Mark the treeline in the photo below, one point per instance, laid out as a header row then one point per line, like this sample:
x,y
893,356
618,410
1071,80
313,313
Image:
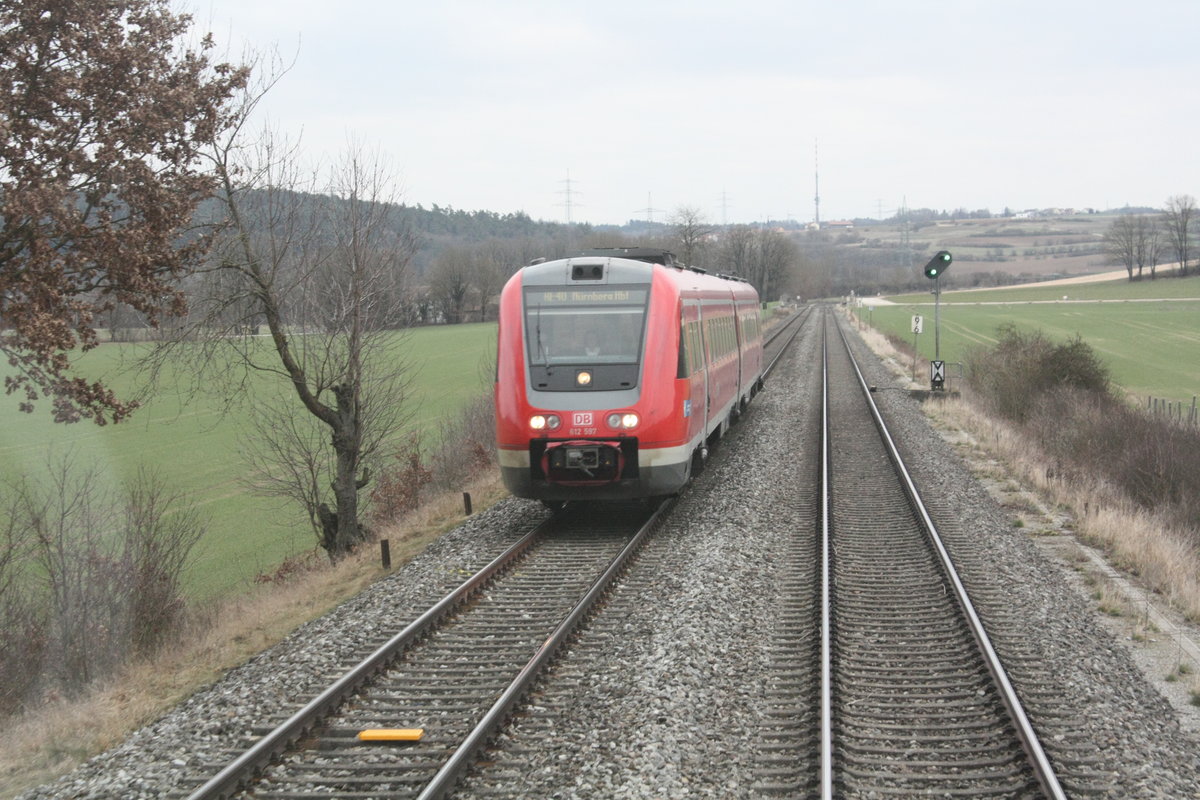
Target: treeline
x,y
457,261
1139,240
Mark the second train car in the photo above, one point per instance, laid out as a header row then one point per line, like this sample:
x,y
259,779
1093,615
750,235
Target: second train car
x,y
615,371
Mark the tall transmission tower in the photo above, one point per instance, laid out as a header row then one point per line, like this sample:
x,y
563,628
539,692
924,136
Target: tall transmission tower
x,y
649,209
569,193
724,209
816,185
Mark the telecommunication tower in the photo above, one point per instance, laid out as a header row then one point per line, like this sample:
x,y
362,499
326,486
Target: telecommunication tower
x,y
816,185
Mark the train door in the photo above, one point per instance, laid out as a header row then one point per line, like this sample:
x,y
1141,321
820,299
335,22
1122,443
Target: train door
x,y
739,339
694,328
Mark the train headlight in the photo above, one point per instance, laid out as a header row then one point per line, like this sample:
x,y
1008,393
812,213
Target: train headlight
x,y
544,422
626,421
583,378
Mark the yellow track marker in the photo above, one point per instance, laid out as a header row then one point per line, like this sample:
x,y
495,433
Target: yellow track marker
x,y
391,734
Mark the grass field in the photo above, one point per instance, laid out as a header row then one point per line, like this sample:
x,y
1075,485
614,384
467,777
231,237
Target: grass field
x,y
1147,332
193,443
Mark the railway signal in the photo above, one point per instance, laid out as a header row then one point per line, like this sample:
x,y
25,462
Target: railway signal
x,y
933,270
938,264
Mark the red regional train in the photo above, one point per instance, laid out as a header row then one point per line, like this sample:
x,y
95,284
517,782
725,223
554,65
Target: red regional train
x,y
615,370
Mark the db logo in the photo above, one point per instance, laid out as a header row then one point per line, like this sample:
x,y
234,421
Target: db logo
x,y
584,418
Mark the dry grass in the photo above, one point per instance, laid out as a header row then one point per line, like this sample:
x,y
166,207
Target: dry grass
x,y
1143,543
43,744
1140,542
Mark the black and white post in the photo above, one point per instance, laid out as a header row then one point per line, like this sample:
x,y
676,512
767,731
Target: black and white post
x,y
933,270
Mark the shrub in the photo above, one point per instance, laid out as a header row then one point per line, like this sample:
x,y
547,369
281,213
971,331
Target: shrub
x,y
468,446
1022,367
1060,394
87,581
398,491
23,622
158,534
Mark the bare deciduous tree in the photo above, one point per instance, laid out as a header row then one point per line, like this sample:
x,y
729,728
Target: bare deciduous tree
x,y
1120,242
495,263
450,281
691,231
775,256
736,252
1177,222
1147,243
762,256
320,265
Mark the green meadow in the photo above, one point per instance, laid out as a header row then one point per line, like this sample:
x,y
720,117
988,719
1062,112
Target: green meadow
x,y
194,442
1147,332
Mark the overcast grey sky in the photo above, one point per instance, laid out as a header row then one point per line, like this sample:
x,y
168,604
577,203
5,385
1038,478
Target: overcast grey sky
x,y
490,105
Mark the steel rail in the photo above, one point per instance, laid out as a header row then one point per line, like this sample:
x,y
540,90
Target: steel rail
x,y
261,753
826,733
446,777
1043,770
795,323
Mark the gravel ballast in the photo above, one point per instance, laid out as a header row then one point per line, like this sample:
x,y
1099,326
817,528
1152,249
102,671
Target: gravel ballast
x,y
661,695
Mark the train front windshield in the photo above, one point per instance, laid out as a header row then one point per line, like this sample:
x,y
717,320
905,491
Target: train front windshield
x,y
583,326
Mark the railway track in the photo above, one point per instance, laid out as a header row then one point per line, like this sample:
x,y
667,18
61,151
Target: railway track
x,y
454,675
883,639
875,684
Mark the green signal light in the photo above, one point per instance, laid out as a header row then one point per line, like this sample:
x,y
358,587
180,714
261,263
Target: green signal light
x,y
938,264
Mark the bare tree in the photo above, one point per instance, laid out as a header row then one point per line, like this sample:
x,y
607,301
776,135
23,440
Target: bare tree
x,y
1147,243
774,256
691,231
762,256
495,262
736,251
325,308
318,263
1177,223
450,281
1120,242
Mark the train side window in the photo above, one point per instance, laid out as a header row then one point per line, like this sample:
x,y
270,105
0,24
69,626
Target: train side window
x,y
691,352
687,349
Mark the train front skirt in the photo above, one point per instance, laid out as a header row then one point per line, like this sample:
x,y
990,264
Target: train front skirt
x,y
593,469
